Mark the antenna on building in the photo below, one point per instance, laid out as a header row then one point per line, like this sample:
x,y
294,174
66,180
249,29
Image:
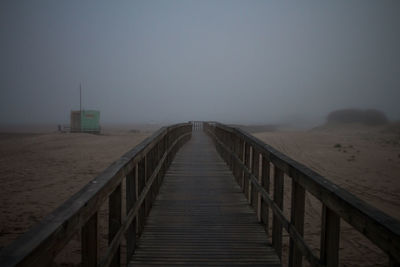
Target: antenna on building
x,y
80,97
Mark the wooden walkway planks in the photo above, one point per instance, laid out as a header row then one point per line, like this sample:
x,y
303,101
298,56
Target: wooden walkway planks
x,y
201,217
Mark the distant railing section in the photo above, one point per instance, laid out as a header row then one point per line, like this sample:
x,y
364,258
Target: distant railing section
x,y
142,168
250,160
197,125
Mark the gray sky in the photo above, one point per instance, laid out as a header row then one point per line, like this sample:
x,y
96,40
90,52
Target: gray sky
x,y
172,61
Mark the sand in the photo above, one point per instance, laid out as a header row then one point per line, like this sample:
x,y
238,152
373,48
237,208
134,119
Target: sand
x,y
362,160
39,171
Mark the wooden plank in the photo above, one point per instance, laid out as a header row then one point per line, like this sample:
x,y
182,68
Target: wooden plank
x,y
330,234
114,221
89,242
297,220
278,199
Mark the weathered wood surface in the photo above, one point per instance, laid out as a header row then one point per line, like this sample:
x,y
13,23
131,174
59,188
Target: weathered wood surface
x,y
380,228
201,216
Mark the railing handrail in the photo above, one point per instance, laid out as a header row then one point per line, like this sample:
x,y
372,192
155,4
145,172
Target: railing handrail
x,y
44,240
382,229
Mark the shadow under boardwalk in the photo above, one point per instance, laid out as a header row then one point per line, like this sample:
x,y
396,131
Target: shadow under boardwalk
x,y
201,217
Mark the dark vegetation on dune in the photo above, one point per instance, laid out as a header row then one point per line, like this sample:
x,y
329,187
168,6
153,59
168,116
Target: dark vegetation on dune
x,y
367,117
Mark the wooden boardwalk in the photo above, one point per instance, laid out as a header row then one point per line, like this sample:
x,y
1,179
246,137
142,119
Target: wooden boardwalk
x,y
201,217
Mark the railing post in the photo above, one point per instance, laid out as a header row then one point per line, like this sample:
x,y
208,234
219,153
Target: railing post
x,y
250,184
234,163
239,153
265,180
330,234
278,199
141,184
130,202
297,220
114,221
231,147
163,149
241,157
147,204
89,242
158,179
247,164
255,167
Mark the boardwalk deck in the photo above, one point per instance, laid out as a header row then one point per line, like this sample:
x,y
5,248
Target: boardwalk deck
x,y
201,217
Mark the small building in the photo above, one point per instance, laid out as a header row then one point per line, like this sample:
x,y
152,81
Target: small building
x,y
87,121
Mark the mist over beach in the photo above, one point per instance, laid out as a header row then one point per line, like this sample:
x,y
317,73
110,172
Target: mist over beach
x,y
228,61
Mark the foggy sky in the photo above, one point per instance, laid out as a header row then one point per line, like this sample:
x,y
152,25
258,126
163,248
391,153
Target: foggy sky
x,y
173,61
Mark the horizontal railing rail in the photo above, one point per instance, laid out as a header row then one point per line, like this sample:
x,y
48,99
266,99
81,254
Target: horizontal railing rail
x,y
142,169
250,159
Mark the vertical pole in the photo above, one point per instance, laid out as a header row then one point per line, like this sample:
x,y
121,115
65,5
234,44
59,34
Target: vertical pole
x,y
247,164
89,242
265,180
80,97
241,157
278,199
130,201
114,221
255,162
297,219
330,234
141,183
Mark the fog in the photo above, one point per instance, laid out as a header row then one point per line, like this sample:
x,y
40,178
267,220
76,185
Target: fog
x,y
172,61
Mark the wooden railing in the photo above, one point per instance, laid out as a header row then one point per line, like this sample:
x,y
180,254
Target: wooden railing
x,y
142,168
250,160
197,125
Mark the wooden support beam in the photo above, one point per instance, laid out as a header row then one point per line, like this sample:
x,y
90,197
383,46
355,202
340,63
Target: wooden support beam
x,y
114,221
241,158
246,176
297,220
130,202
89,242
330,234
265,181
255,169
141,185
278,199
